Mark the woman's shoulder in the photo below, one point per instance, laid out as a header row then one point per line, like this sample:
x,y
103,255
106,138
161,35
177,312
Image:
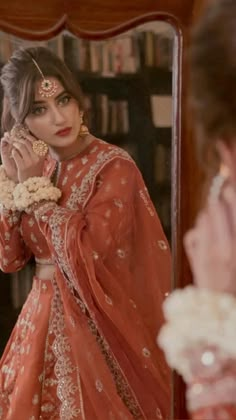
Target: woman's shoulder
x,y
108,151
113,160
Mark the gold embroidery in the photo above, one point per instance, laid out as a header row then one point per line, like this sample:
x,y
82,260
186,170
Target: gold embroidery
x,y
122,386
99,385
146,199
146,352
80,194
67,388
162,245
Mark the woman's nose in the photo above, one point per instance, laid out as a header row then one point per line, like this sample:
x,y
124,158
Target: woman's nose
x,y
58,116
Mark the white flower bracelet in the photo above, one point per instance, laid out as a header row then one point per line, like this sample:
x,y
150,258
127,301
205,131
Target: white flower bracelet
x,y
34,190
21,196
7,187
197,317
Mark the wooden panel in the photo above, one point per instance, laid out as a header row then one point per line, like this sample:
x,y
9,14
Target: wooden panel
x,y
96,19
45,18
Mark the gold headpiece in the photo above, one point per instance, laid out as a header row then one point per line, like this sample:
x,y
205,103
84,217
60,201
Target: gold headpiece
x,y
47,87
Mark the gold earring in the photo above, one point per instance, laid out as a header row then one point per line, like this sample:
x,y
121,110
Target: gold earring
x,y
19,131
40,148
83,128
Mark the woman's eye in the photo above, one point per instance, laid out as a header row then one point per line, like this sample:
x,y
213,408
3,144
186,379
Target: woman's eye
x,y
64,100
39,110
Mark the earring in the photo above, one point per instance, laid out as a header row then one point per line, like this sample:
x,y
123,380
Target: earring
x,y
40,148
19,131
218,182
83,128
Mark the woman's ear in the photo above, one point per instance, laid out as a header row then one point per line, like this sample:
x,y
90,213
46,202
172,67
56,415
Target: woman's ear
x,y
227,154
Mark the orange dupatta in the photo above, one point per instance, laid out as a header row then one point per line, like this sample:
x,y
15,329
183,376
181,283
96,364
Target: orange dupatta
x,y
114,271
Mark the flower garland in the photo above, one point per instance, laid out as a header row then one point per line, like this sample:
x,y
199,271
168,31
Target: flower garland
x,y
7,187
23,195
34,190
197,317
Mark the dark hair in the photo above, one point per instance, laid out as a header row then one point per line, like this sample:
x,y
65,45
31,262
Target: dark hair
x,y
213,76
18,78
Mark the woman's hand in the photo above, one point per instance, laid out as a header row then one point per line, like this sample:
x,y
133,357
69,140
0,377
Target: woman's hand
x,y
211,245
6,157
28,164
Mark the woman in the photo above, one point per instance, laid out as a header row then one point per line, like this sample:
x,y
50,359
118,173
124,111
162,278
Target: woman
x,y
84,343
203,318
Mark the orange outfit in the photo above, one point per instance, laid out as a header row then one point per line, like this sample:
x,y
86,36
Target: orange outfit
x,y
84,345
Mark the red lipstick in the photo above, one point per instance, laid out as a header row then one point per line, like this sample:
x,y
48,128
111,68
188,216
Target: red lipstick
x,y
64,132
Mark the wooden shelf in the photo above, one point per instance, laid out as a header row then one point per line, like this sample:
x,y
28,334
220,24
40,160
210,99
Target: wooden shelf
x,y
155,79
163,135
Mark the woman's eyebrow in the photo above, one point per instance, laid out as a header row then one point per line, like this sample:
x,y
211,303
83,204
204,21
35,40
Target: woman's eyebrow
x,y
43,102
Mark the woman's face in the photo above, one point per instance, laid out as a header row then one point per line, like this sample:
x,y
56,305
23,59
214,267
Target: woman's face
x,y
55,120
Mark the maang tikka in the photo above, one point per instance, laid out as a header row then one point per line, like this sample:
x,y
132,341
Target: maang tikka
x,y
47,87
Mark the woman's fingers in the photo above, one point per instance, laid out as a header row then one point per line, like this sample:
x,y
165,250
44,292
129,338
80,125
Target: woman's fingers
x,y
190,245
229,200
18,159
195,242
30,138
24,146
23,150
211,246
6,147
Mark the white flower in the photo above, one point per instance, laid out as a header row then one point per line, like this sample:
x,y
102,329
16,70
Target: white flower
x,y
197,317
34,190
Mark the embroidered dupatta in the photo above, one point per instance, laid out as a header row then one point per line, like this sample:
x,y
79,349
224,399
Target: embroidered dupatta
x,y
94,355
115,264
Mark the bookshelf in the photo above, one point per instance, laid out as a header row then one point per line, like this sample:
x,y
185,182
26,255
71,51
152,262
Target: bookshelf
x,y
150,146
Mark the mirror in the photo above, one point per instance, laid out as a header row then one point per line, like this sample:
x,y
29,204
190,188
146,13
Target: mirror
x,y
128,92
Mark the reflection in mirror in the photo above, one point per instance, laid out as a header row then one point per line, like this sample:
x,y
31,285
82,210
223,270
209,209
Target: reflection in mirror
x,y
127,88
127,85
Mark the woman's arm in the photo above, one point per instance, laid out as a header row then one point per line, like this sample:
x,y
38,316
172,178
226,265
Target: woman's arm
x,y
14,254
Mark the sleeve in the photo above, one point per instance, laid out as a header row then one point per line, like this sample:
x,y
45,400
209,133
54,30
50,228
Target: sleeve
x,y
13,252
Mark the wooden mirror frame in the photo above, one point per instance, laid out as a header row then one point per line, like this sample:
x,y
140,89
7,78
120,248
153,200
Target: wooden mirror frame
x,y
99,19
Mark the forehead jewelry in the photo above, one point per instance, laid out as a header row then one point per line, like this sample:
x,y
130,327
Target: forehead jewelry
x,y
47,87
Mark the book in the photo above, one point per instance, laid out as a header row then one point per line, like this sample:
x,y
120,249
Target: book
x,y
161,106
